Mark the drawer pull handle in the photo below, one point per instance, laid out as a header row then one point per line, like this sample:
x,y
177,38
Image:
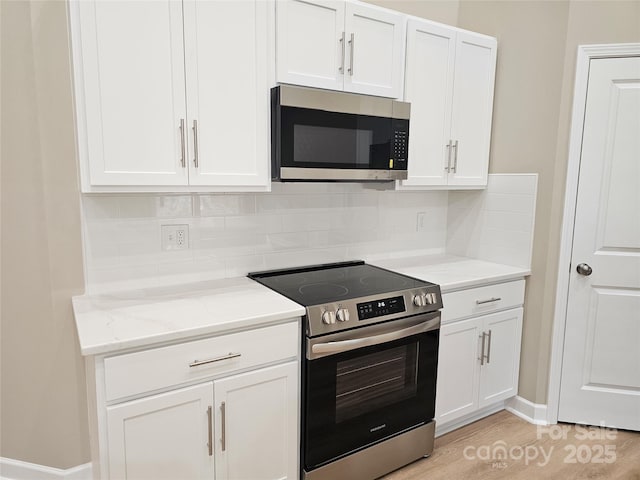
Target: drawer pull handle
x,y
197,363
490,300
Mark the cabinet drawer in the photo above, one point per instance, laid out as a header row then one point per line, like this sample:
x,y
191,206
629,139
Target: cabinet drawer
x,y
148,370
481,300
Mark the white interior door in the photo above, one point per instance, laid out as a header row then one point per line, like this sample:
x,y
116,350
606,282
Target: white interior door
x,y
601,362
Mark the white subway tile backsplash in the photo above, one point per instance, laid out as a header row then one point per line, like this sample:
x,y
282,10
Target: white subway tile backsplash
x,y
495,224
513,183
324,220
240,266
137,206
274,203
508,202
296,224
171,206
97,208
254,223
212,205
284,241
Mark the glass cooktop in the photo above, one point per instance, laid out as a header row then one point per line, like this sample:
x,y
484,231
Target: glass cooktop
x,y
334,282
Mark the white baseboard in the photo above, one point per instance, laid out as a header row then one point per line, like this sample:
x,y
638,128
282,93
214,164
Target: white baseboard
x,y
18,470
467,419
535,413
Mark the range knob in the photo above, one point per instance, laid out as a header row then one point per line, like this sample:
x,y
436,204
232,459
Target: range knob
x,y
419,301
328,317
431,298
342,315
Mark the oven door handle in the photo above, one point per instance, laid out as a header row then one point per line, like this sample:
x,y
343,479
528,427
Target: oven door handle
x,y
330,348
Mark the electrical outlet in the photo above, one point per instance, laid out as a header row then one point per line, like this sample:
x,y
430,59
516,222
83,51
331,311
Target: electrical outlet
x,y
421,222
175,237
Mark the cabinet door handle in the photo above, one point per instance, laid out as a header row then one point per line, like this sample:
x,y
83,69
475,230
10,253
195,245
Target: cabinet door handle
x,y
351,58
223,415
183,160
481,337
342,43
489,300
210,437
195,143
197,363
489,347
448,167
455,156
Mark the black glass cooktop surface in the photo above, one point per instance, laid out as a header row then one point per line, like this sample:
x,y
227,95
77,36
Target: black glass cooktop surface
x,y
333,282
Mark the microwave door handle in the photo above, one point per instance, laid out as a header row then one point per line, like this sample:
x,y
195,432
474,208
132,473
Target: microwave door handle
x,y
330,348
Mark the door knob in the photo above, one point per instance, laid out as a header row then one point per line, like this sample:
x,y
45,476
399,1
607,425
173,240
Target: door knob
x,y
584,269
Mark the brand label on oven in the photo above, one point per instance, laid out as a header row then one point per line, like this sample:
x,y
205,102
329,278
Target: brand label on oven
x,y
379,427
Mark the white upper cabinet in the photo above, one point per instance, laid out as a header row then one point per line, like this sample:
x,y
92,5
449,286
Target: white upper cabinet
x,y
449,82
172,93
472,109
339,45
309,43
227,92
130,63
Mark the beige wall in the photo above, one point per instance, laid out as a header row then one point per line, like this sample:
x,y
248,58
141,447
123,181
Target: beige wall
x,y
443,11
43,410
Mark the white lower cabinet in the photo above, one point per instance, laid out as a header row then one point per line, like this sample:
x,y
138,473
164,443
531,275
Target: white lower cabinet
x,y
256,424
479,357
224,408
250,419
162,436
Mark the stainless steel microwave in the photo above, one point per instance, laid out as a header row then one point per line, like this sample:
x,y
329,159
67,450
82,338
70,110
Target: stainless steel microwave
x,y
320,135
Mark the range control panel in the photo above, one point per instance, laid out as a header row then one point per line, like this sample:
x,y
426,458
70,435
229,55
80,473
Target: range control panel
x,y
378,308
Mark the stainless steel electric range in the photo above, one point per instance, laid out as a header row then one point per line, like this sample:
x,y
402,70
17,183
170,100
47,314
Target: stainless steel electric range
x,y
370,354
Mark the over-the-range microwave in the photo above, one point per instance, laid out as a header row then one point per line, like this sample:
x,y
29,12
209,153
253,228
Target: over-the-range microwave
x,y
320,135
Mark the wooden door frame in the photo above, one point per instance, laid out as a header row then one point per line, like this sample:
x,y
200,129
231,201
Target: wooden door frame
x,y
585,54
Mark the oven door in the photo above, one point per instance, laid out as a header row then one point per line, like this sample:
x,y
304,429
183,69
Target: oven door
x,y
368,384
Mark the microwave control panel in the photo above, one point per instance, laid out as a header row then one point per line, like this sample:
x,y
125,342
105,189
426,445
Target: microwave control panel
x,y
400,144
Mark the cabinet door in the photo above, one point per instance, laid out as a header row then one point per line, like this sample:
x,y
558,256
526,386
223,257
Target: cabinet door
x,y
309,43
227,92
472,108
457,388
429,89
374,56
257,424
499,374
130,92
161,437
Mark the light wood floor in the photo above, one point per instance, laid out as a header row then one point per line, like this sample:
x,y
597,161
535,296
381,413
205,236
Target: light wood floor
x,y
471,453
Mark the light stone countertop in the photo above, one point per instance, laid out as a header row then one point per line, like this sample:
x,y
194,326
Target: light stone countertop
x,y
108,323
112,322
453,273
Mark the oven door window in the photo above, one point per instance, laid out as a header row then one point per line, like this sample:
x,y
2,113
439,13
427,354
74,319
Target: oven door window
x,y
320,139
359,397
